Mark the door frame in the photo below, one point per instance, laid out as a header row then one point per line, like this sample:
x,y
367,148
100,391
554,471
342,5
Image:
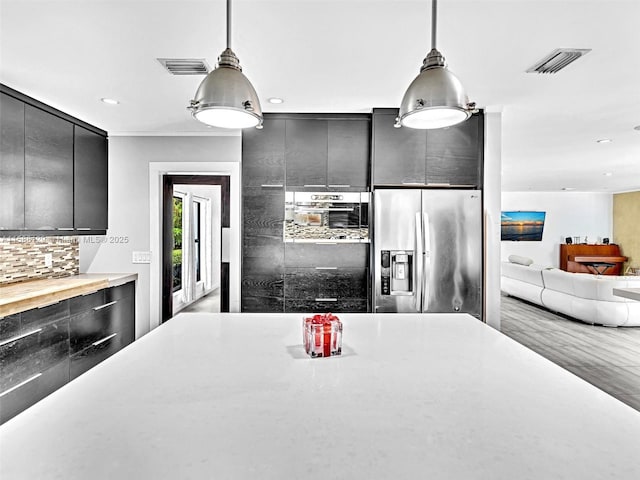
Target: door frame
x,y
230,236
168,181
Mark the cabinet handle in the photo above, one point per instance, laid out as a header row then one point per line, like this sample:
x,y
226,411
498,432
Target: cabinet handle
x,y
95,344
326,268
15,387
84,228
18,337
275,185
46,228
326,299
314,186
339,186
65,228
326,243
95,309
413,183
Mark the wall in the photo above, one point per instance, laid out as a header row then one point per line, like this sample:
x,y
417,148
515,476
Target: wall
x,y
569,214
130,215
23,258
626,226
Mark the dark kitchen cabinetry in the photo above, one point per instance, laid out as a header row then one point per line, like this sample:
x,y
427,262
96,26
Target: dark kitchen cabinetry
x,y
53,170
442,157
48,165
90,180
34,356
101,324
11,163
263,175
44,348
326,277
327,153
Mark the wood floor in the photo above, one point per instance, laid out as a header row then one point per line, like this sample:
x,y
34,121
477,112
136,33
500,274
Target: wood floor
x,y
606,357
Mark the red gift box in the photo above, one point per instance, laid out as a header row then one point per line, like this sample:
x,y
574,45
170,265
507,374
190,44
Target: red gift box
x,y
322,335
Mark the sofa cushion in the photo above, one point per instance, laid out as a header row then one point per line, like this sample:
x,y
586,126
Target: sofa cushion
x,y
531,274
520,260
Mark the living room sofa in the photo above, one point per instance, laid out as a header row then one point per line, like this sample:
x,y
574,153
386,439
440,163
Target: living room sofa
x,y
583,296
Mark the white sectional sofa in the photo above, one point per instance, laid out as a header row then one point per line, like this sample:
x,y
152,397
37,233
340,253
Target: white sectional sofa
x,y
583,296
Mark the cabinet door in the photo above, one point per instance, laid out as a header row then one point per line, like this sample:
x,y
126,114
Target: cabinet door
x,y
263,155
348,154
306,153
48,184
262,250
90,180
454,154
11,163
398,153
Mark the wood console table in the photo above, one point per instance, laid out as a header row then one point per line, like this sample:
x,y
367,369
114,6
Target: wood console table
x,y
598,259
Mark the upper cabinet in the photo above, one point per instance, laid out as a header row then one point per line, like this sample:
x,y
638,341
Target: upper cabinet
x,y
11,163
450,156
327,153
48,166
90,180
53,170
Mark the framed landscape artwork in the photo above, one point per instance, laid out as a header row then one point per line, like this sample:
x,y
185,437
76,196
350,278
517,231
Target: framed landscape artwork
x,y
522,226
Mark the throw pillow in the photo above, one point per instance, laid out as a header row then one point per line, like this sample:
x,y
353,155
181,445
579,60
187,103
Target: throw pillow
x,y
520,260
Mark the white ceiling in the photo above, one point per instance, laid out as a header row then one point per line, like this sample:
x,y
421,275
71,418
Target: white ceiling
x,y
351,56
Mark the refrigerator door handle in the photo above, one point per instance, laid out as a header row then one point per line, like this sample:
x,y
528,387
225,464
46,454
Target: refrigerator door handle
x,y
417,261
426,262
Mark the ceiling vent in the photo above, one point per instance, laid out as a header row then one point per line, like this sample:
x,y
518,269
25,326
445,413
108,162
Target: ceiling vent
x,y
185,66
557,60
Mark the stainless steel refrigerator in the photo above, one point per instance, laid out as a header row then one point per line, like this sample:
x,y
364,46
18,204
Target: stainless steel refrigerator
x,y
428,251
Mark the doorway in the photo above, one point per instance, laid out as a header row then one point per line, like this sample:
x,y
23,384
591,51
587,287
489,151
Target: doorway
x,y
180,196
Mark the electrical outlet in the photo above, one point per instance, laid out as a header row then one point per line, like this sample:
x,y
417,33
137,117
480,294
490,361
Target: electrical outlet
x,y
48,260
141,257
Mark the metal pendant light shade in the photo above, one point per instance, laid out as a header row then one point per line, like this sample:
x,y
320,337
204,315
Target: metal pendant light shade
x,y
435,98
226,98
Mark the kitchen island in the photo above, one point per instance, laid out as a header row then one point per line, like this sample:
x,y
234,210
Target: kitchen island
x,y
234,396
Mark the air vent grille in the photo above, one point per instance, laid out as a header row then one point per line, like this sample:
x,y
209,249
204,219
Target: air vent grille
x,y
185,66
557,60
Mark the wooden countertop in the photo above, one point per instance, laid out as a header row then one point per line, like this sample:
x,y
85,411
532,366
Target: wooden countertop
x,y
19,297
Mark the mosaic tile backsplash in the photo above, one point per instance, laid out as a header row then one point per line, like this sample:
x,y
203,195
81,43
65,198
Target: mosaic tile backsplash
x,y
23,258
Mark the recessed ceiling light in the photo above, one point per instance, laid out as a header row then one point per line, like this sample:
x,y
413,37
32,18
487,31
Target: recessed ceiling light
x,y
275,100
607,174
604,140
637,127
110,101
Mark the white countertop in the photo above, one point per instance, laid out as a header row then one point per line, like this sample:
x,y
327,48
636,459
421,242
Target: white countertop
x,y
631,293
234,396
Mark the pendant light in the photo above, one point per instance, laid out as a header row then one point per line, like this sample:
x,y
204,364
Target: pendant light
x,y
435,98
226,98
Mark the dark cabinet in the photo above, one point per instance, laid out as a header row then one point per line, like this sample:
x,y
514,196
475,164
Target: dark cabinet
x,y
34,357
11,163
398,153
48,185
263,177
348,154
306,143
263,155
326,277
327,154
101,324
53,170
44,348
451,156
90,180
262,287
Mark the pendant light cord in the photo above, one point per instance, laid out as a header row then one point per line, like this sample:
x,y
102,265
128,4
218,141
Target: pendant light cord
x,y
229,24
434,14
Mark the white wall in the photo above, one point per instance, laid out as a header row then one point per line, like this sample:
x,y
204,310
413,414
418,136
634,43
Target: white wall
x,y
569,214
130,214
